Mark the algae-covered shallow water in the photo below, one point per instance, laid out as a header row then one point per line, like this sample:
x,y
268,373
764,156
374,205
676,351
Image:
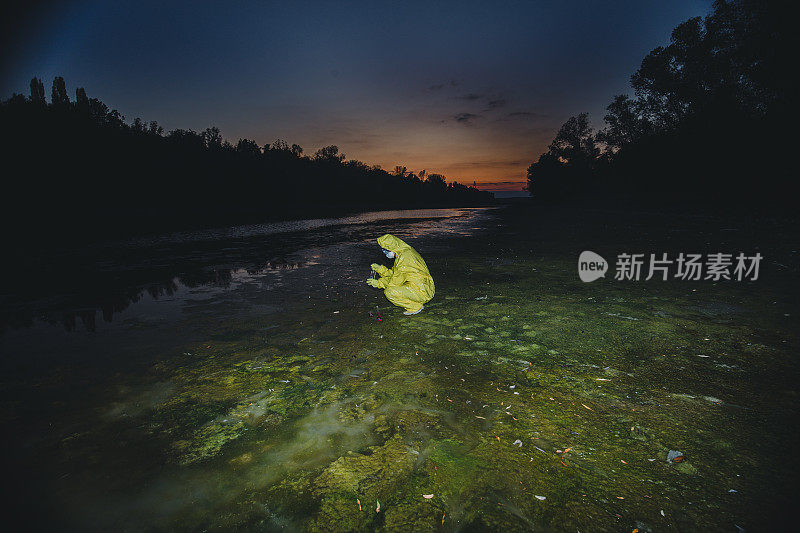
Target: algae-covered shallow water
x,y
242,381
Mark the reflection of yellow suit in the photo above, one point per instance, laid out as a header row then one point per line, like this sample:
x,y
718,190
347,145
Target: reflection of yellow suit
x,y
408,283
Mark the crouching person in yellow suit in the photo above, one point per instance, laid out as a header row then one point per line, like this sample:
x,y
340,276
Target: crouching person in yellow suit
x,y
408,283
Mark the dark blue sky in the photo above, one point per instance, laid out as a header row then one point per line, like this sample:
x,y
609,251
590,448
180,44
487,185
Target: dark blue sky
x,y
475,90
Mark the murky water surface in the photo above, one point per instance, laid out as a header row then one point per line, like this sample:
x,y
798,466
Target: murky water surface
x,y
240,379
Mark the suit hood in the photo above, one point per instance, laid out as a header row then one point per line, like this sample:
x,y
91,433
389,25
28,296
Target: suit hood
x,y
392,243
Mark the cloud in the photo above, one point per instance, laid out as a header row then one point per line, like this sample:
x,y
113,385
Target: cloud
x,y
506,185
488,101
439,86
467,119
467,165
469,96
525,115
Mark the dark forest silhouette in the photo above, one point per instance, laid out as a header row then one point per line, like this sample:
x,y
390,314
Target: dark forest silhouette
x,y
706,125
78,170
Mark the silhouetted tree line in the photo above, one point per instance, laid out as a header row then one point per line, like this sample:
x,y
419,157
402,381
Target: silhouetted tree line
x,y
707,123
77,168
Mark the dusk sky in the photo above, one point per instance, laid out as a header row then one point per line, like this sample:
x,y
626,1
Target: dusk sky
x,y
475,91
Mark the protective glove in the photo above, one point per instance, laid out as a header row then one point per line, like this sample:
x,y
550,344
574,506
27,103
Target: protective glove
x,y
380,269
372,282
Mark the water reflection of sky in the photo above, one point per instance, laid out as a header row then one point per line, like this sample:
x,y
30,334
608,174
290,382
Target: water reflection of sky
x,y
258,268
272,228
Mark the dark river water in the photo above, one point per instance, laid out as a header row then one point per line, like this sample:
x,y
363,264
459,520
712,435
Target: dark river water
x,y
248,379
261,269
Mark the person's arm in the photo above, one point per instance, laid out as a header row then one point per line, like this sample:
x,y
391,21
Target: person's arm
x,y
391,279
394,280
381,270
385,274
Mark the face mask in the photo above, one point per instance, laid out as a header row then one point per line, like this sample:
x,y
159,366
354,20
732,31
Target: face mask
x,y
389,254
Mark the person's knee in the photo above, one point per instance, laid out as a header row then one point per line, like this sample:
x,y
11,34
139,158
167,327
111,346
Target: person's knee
x,y
391,291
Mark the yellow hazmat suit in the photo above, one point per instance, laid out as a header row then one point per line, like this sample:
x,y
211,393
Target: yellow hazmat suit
x,y
408,283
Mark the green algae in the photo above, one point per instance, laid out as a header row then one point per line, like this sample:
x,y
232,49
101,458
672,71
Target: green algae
x,y
533,402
